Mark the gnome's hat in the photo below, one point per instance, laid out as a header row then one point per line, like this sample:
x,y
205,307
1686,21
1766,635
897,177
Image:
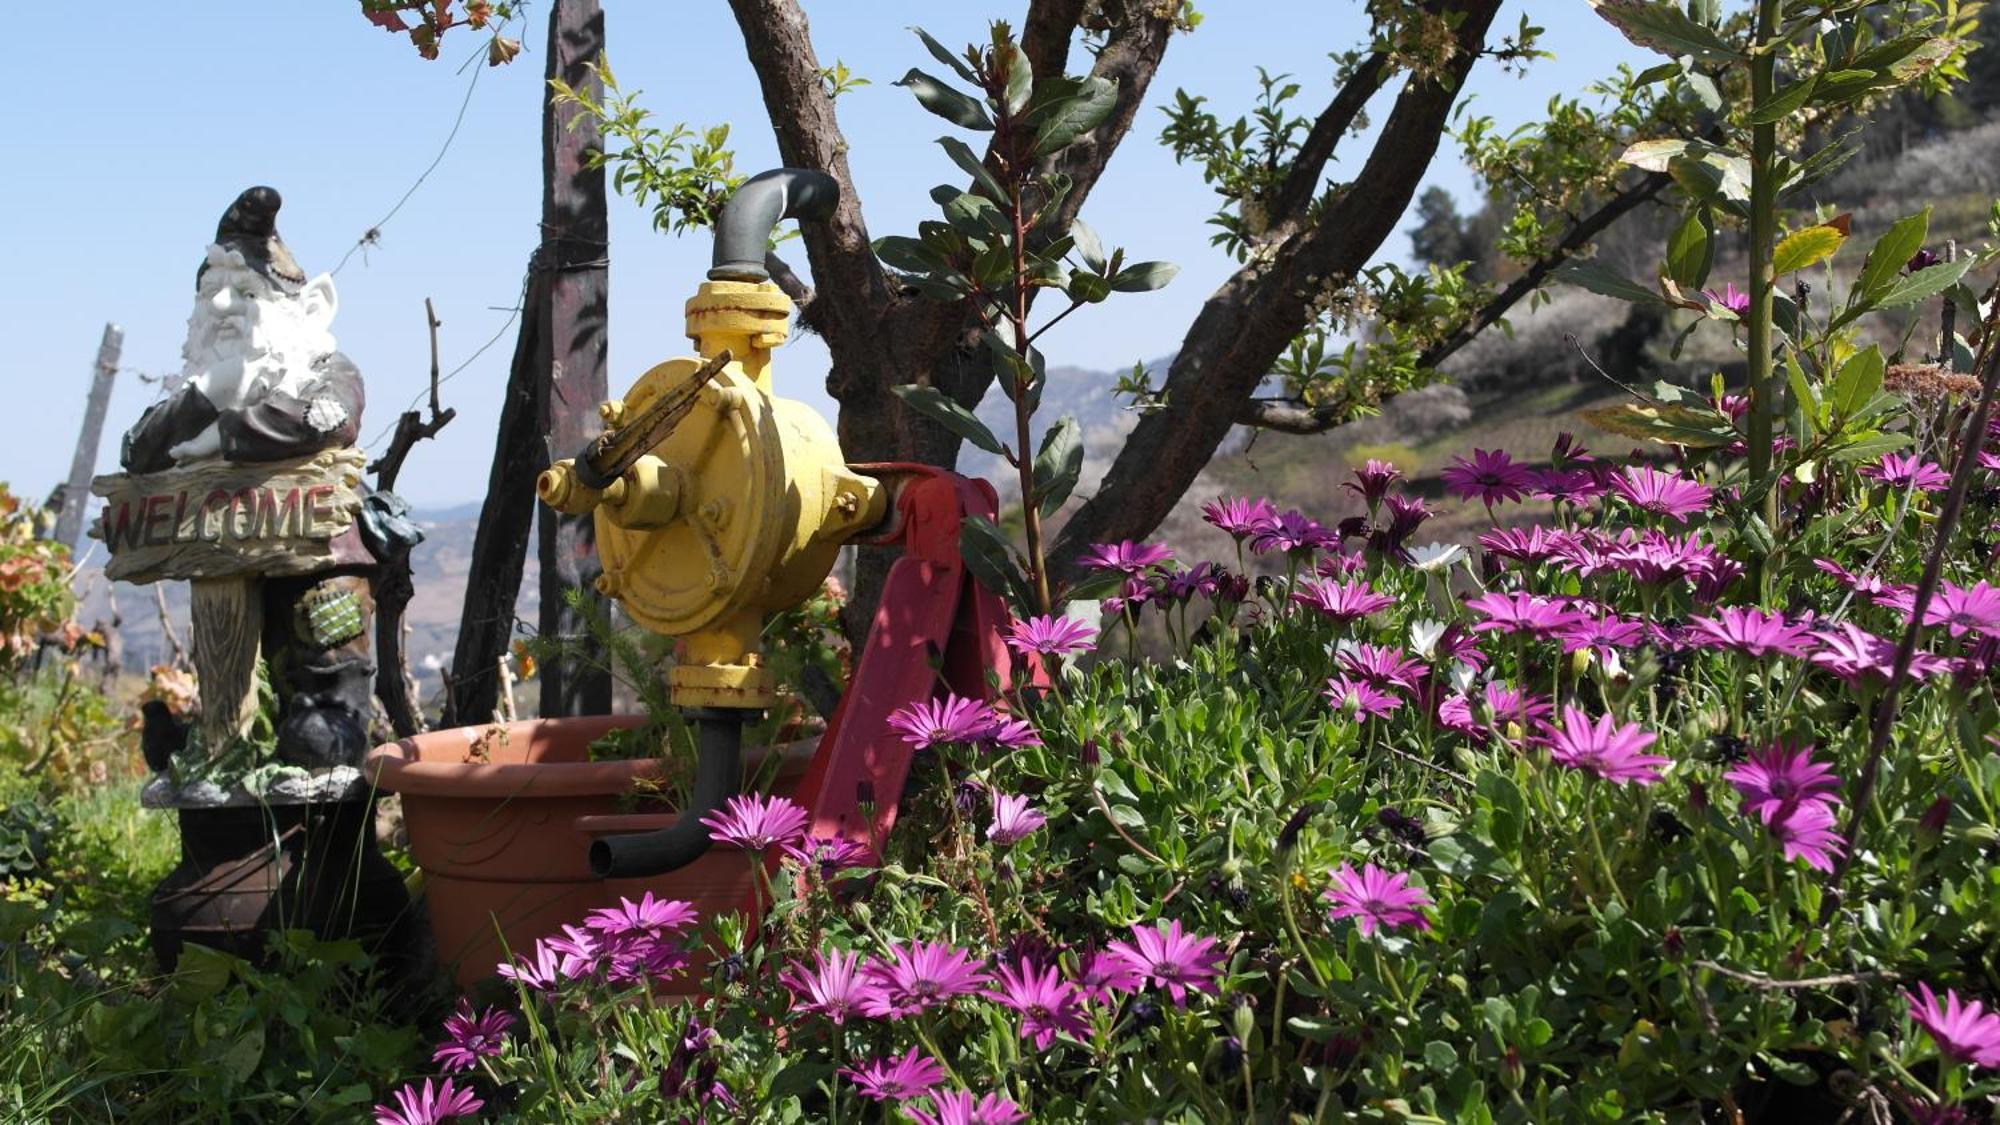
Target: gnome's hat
x,y
250,227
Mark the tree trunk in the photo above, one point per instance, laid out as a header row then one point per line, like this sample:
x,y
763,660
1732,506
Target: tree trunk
x,y
76,492
571,348
500,545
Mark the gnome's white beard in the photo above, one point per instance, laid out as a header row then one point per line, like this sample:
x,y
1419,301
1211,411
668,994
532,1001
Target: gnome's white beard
x,y
265,342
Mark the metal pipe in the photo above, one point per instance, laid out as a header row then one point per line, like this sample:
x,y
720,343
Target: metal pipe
x,y
717,777
743,231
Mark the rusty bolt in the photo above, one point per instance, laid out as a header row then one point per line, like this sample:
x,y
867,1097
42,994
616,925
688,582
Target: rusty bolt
x,y
716,512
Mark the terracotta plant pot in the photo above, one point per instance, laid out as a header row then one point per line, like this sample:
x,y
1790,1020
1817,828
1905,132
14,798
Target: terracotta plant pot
x,y
501,825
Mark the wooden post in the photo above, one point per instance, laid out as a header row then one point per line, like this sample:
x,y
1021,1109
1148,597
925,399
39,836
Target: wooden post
x,y
76,493
576,233
228,620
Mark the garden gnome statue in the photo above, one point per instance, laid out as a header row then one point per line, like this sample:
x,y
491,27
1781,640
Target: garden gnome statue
x,y
245,481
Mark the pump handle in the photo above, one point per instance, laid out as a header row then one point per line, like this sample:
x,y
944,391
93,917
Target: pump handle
x,y
743,232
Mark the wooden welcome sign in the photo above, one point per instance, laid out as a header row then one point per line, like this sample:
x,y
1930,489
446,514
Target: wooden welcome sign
x,y
223,525
222,518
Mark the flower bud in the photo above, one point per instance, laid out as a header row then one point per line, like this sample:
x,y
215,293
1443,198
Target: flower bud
x,y
502,50
1931,825
1512,1073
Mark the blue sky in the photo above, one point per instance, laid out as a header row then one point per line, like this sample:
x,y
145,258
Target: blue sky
x,y
131,138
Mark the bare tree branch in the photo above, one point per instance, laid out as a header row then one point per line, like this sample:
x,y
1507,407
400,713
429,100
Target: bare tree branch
x,y
1296,416
1288,207
1247,323
1578,236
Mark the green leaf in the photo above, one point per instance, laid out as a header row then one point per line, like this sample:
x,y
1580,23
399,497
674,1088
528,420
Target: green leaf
x,y
1087,287
1010,62
959,109
1087,245
907,254
1666,423
1785,102
1073,116
1890,254
1928,282
1803,248
1442,1057
990,558
944,56
1803,392
1661,25
1058,464
1144,276
241,1059
939,407
968,161
1855,386
1602,281
974,215
1705,91
1691,250
1867,445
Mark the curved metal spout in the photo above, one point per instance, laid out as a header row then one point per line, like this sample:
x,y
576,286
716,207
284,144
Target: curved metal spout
x,y
717,777
743,232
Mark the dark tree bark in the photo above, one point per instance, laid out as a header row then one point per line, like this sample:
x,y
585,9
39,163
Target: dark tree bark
x,y
500,545
571,348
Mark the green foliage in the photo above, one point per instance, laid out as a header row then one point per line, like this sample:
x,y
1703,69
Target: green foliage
x,y
1000,245
308,1039
684,174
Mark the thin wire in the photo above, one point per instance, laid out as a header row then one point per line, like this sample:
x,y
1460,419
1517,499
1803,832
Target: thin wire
x,y
513,315
374,233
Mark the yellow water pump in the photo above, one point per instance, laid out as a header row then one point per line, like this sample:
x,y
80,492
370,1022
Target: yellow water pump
x,y
716,502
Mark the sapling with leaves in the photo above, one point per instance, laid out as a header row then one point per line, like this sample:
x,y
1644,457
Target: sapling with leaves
x,y
999,243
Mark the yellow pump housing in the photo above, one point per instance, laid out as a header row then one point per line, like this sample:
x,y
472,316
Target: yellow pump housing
x,y
736,513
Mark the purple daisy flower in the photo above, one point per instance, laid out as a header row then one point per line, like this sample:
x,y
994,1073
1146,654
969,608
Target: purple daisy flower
x,y
758,823
959,1107
1520,613
1509,704
1241,517
1529,546
1104,974
829,854
1750,631
918,975
1605,748
1862,659
1963,1030
1359,699
1376,899
1974,608
1491,477
1602,633
1292,531
1048,1004
579,951
1371,481
1166,957
469,1038
1013,819
1051,635
1731,298
1008,733
897,1079
1907,470
1782,775
1344,602
541,970
1130,597
1806,831
429,1105
1125,556
1382,666
649,917
1661,493
953,718
1575,486
1406,515
836,986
